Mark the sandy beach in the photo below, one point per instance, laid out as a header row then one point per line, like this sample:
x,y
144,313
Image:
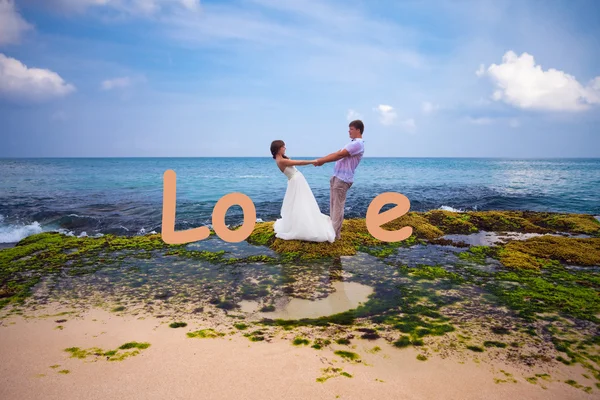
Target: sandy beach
x,y
232,367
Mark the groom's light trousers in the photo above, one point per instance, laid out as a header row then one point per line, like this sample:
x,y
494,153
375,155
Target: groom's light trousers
x,y
337,203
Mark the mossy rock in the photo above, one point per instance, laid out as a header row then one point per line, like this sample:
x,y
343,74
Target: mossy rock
x,y
519,260
422,227
478,254
263,234
45,237
355,230
354,236
22,266
451,222
205,334
534,293
574,251
573,223
314,250
505,221
353,233
431,226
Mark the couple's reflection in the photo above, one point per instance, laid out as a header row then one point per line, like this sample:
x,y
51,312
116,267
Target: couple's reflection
x,y
315,290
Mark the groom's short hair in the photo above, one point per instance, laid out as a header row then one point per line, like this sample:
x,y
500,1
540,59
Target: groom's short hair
x,y
358,124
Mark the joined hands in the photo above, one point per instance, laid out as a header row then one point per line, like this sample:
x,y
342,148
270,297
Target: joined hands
x,y
317,163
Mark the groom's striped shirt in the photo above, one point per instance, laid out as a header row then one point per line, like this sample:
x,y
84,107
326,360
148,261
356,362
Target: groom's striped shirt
x,y
344,168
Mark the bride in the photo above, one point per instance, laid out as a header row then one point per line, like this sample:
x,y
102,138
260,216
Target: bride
x,y
301,218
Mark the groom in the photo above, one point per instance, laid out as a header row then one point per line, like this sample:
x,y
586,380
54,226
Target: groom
x,y
347,159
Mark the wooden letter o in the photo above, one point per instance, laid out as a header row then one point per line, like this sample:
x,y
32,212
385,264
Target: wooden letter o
x,y
218,217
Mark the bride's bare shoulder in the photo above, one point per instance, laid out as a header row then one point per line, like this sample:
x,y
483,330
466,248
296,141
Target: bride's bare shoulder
x,y
280,164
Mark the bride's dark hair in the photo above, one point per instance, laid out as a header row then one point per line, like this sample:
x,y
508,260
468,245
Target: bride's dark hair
x,y
275,146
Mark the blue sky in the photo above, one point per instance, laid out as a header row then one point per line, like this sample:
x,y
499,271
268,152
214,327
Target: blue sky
x,y
187,78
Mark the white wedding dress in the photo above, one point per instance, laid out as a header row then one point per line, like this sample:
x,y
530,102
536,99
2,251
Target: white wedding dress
x,y
301,217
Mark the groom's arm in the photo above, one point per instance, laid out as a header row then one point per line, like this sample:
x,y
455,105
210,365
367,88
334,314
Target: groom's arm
x,y
338,155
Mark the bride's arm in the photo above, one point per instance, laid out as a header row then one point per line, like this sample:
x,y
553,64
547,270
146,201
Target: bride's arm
x,y
289,163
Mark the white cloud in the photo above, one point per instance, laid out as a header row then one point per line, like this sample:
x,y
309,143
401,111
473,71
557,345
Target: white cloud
x,y
121,83
352,115
523,84
387,115
20,83
429,108
12,25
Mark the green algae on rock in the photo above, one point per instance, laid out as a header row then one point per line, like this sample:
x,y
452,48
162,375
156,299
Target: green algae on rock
x,y
429,226
477,349
343,341
509,377
134,345
241,326
574,251
451,222
256,336
320,343
575,223
505,221
492,343
536,293
205,333
110,355
22,266
434,272
347,355
332,372
477,254
298,341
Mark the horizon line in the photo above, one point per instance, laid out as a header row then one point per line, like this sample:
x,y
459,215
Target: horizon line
x,y
299,157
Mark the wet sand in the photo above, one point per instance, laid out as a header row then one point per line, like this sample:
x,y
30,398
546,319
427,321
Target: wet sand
x,y
346,296
232,367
